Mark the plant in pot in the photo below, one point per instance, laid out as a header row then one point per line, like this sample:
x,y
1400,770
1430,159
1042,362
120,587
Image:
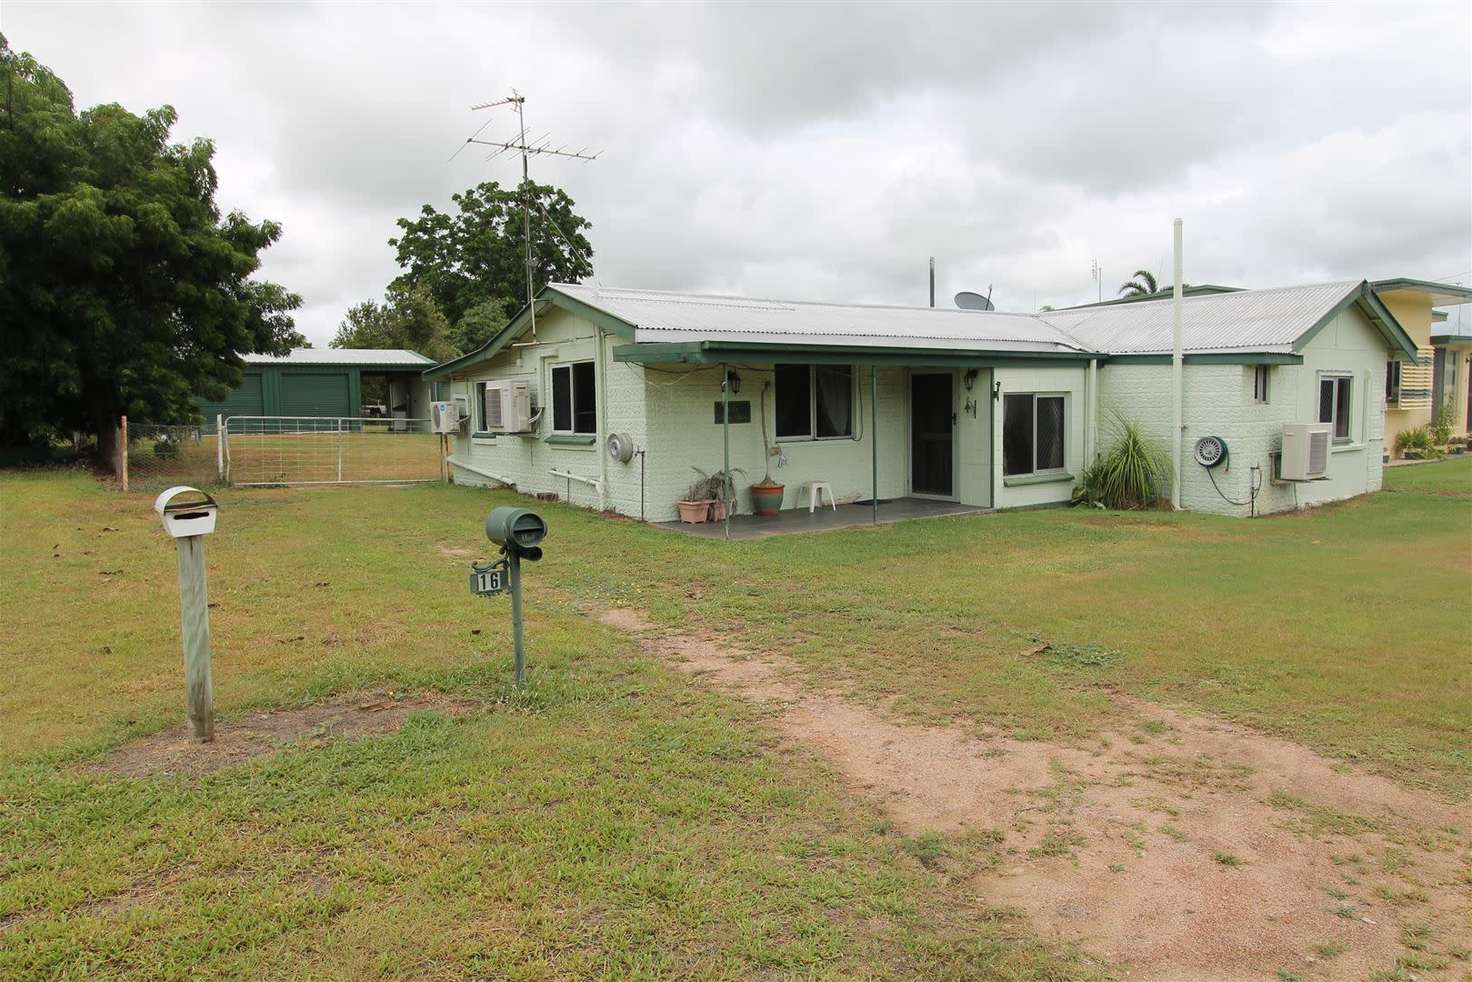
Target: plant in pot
x,y
710,497
766,494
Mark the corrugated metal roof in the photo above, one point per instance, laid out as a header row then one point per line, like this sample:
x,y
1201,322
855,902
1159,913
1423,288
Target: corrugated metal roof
x,y
660,316
1247,320
360,357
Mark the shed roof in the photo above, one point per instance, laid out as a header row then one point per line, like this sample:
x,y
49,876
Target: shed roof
x,y
355,357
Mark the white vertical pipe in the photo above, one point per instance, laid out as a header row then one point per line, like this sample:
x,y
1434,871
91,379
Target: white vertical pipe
x,y
1091,435
1177,372
600,371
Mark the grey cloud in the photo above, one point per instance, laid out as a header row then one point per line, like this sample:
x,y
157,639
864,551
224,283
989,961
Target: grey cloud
x,y
826,151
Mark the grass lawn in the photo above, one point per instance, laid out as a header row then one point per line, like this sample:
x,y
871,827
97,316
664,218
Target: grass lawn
x,y
618,817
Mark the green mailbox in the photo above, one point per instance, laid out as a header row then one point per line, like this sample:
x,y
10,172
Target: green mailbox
x,y
516,529
519,533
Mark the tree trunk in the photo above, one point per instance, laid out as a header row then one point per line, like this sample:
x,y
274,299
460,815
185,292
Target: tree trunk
x,y
107,441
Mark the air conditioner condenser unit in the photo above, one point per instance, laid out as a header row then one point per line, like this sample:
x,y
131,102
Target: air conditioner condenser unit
x,y
1305,451
444,417
508,407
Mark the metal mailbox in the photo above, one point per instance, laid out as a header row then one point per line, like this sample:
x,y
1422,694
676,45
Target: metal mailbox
x,y
183,513
516,529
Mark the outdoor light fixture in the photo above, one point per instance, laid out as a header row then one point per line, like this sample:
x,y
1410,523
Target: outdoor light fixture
x,y
970,378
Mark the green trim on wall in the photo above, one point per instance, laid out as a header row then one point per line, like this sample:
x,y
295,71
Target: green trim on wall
x,y
571,440
605,320
718,352
1363,297
1212,358
1023,480
548,296
1449,290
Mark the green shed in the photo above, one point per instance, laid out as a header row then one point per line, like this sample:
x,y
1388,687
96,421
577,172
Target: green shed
x,y
330,383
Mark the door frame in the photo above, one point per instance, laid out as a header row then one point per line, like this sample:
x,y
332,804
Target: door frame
x,y
910,491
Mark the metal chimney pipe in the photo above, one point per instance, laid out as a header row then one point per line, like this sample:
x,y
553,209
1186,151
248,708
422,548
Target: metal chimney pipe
x,y
932,281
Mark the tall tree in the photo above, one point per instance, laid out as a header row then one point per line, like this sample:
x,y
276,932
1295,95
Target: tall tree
x,y
477,254
1142,284
480,323
407,318
123,289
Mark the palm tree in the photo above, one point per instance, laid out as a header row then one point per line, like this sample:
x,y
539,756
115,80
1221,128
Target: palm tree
x,y
1142,284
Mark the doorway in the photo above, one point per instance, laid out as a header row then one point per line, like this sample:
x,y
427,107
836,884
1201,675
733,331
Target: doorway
x,y
932,435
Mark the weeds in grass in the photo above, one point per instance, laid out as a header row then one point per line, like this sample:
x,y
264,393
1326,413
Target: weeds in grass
x,y
1401,898
1328,951
1415,935
1174,832
1226,858
1058,841
1345,911
1336,893
928,847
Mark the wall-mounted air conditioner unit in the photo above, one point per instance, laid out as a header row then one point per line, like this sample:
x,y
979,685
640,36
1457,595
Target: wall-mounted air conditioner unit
x,y
508,407
444,417
1305,451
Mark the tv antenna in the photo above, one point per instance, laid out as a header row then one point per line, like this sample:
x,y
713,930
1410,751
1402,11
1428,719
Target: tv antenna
x,y
541,146
1097,272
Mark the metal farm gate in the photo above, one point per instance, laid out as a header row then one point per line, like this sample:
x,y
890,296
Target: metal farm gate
x,y
275,450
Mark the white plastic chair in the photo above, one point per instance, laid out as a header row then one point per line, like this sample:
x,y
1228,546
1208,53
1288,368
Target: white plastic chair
x,y
815,490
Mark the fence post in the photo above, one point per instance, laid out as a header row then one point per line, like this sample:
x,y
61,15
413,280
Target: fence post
x,y
339,450
220,448
123,450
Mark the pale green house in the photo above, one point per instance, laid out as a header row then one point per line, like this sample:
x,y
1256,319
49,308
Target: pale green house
x,y
987,409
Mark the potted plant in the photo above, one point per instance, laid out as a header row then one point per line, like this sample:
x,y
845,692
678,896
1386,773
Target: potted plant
x,y
766,494
710,497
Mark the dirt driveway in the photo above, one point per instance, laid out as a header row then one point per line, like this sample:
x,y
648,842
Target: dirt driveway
x,y
1183,849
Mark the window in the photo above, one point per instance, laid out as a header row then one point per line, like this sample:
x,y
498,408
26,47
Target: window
x,y
1334,404
1032,434
1260,383
479,423
815,402
574,398
1392,382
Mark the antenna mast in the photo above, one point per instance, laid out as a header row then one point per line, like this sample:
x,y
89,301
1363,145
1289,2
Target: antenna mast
x,y
541,145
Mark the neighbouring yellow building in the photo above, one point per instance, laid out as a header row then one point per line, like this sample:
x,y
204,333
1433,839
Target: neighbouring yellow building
x,y
1440,374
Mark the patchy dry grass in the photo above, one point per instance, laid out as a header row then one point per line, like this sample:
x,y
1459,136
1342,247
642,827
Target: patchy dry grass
x,y
618,818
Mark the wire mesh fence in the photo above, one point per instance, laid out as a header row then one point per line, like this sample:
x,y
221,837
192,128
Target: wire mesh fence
x,y
160,455
272,450
257,451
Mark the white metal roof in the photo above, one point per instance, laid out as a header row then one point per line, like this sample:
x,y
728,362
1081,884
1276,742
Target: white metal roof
x,y
1248,320
362,357
660,316
1251,320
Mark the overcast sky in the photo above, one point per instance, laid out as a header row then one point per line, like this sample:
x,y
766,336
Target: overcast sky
x,y
824,152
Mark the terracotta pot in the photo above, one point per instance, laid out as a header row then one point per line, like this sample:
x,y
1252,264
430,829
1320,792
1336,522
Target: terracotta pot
x,y
766,498
694,512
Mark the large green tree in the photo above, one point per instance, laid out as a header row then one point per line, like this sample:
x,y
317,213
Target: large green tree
x,y
476,254
408,317
122,287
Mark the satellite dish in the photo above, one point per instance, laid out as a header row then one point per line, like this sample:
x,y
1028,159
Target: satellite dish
x,y
967,300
